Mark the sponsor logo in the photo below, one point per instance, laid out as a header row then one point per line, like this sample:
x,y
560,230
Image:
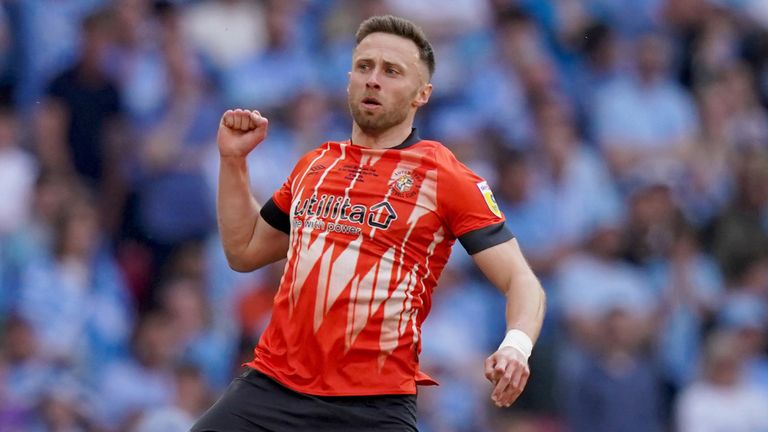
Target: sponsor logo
x,y
490,201
338,208
381,215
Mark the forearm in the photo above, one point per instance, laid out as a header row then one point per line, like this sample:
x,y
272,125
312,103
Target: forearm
x,y
526,303
507,368
237,209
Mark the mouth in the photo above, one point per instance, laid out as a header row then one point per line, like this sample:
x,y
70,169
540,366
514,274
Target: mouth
x,y
370,103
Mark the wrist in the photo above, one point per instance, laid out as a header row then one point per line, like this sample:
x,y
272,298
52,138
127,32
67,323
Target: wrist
x,y
233,160
518,340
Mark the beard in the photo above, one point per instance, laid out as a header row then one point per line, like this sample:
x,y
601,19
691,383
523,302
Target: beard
x,y
378,122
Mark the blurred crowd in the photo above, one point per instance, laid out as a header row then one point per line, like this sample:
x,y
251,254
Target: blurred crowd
x,y
626,140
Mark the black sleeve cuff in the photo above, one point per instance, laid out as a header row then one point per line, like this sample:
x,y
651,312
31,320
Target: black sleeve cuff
x,y
275,217
486,237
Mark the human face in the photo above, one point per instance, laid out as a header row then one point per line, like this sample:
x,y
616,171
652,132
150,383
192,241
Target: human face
x,y
388,82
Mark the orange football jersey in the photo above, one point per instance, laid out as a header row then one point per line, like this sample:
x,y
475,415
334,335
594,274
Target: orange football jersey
x,y
370,232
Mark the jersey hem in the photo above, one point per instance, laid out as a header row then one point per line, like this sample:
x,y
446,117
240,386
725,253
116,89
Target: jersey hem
x,y
271,375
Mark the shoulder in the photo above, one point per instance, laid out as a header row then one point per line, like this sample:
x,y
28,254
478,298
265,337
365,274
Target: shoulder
x,y
318,158
318,151
436,147
442,155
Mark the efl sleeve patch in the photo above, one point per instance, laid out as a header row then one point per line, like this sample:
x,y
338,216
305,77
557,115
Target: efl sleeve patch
x,y
489,199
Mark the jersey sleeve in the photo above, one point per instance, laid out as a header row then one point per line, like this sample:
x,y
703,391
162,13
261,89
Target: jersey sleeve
x,y
276,211
275,217
468,207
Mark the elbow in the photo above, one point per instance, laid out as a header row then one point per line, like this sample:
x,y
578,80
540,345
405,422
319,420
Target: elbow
x,y
239,264
240,268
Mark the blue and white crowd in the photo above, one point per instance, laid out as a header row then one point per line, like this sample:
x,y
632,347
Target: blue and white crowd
x,y
626,142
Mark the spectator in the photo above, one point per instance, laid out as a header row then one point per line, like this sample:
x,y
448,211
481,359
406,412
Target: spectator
x,y
739,236
24,375
528,209
709,168
74,297
191,399
691,287
143,381
135,60
498,94
574,175
598,65
617,388
226,31
653,217
171,180
63,408
87,102
439,18
747,128
201,343
591,283
746,314
644,121
18,169
281,53
124,96
720,399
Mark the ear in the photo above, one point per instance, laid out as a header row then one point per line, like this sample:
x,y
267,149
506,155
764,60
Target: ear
x,y
422,96
349,76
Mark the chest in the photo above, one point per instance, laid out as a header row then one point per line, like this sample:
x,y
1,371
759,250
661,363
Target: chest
x,y
349,193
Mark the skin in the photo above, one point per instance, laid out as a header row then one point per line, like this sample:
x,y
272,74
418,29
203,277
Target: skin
x,y
388,83
386,68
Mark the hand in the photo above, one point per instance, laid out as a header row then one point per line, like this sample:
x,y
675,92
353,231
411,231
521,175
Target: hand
x,y
508,370
240,131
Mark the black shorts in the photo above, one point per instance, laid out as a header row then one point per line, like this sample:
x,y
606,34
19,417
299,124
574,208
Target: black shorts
x,y
256,402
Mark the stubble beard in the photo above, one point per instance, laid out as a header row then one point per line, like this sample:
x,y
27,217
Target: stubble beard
x,y
376,123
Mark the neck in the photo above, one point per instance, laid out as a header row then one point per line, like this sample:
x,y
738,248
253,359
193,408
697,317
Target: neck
x,y
391,137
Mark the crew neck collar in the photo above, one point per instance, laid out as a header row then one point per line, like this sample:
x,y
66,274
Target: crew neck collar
x,y
410,140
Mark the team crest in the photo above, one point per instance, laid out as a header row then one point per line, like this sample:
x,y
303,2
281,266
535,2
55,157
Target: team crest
x,y
490,201
404,183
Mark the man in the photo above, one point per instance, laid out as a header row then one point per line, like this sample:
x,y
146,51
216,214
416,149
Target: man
x,y
367,226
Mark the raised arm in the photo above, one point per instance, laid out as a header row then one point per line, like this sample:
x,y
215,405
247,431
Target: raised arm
x,y
249,242
507,368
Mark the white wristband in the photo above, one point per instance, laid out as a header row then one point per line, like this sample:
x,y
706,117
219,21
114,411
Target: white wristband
x,y
518,340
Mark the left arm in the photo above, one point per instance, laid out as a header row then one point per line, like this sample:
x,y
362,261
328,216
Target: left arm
x,y
506,268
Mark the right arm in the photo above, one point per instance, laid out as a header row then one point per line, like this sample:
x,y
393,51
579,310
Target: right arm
x,y
249,241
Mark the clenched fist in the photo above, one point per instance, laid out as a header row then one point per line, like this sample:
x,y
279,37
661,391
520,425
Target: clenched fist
x,y
240,131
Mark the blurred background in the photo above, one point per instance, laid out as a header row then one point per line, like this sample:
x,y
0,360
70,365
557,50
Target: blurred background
x,y
626,140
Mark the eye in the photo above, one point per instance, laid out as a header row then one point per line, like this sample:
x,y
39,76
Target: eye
x,y
392,71
363,66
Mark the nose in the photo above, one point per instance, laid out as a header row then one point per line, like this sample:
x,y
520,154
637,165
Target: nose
x,y
373,80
